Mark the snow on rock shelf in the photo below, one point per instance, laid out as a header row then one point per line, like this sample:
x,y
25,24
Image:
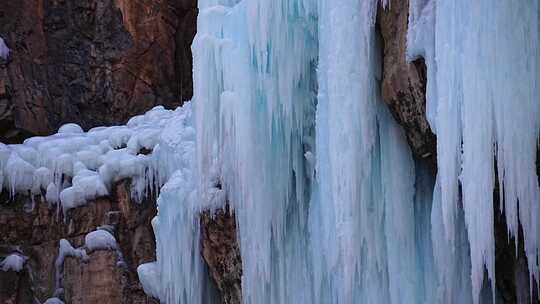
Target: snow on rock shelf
x,y
73,167
100,239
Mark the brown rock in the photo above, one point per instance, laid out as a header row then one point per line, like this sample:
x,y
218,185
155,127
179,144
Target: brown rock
x,y
403,83
37,233
97,281
15,287
92,62
219,248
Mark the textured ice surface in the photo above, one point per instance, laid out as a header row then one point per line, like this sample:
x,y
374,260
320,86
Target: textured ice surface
x,y
485,114
13,262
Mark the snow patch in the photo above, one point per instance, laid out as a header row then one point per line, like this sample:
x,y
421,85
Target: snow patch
x,y
100,240
13,262
4,51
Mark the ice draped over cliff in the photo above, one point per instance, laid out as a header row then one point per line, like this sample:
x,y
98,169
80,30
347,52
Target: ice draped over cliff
x,y
331,207
484,105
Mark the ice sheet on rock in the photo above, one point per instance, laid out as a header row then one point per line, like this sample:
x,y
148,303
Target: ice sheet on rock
x,y
421,44
150,279
13,262
180,270
4,51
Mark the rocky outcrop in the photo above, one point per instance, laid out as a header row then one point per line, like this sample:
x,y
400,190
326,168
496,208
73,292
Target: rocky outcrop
x,y
220,250
92,62
15,287
36,232
403,83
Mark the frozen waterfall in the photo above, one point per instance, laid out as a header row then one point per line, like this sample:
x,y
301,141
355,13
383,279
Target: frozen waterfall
x,y
331,207
288,128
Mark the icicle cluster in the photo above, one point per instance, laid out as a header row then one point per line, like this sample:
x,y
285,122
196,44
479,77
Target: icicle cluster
x,y
484,58
330,205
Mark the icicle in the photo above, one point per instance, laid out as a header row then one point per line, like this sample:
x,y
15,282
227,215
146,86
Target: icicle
x,y
485,113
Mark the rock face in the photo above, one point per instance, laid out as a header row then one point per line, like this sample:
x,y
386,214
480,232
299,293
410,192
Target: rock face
x,y
403,83
92,62
101,273
15,287
219,248
36,234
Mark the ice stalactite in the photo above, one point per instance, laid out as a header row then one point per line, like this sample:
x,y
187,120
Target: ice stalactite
x,y
254,102
487,110
347,232
178,275
371,241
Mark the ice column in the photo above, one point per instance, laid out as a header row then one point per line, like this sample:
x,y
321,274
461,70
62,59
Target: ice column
x,y
486,60
254,88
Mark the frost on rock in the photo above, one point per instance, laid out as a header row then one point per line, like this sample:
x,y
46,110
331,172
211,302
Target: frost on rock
x,y
4,51
13,262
